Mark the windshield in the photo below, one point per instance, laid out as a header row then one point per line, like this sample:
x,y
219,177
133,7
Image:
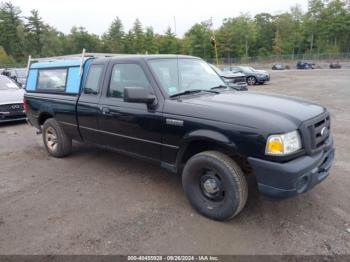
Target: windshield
x,y
6,83
247,69
216,69
179,75
251,68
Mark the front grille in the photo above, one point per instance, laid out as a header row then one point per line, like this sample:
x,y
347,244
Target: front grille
x,y
239,80
320,132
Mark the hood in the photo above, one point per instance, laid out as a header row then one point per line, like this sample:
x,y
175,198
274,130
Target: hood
x,y
270,112
231,74
262,72
11,96
21,80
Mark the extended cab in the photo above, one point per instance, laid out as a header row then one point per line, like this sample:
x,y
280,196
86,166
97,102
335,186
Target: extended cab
x,y
177,112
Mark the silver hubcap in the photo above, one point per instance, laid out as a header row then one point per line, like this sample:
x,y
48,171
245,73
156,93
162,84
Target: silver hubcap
x,y
211,186
51,139
251,81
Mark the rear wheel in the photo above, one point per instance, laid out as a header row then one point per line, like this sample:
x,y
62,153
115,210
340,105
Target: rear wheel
x,y
57,143
251,80
215,185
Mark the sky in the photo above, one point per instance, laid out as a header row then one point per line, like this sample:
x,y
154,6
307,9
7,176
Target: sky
x,y
97,15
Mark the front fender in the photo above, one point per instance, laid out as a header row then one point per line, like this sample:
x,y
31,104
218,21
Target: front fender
x,y
205,135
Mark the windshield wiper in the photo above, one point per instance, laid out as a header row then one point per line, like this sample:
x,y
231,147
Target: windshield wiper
x,y
193,91
219,87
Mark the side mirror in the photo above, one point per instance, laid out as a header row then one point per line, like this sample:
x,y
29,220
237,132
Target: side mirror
x,y
138,95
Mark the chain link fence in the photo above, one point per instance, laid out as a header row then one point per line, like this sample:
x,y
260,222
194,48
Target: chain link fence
x,y
4,66
263,61
284,59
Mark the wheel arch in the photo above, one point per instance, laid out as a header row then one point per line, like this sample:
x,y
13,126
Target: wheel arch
x,y
203,140
43,116
251,76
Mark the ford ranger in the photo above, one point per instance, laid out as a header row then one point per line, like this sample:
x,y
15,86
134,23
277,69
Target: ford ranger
x,y
177,112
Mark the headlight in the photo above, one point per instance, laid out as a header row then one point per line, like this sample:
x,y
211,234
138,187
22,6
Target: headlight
x,y
281,145
261,75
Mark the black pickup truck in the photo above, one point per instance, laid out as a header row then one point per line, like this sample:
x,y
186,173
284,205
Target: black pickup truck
x,y
177,112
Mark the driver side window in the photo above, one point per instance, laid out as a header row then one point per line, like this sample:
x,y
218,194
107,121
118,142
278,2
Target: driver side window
x,y
126,75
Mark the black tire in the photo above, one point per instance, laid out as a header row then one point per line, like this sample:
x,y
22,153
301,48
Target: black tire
x,y
57,143
230,178
251,80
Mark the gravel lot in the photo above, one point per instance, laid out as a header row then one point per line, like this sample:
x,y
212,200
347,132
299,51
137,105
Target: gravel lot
x,y
99,202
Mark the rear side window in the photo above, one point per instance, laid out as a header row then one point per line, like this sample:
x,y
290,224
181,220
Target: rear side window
x,y
93,79
127,75
52,79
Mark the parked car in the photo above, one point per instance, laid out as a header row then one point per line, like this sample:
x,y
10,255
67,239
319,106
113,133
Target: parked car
x,y
176,112
11,101
278,67
253,76
335,65
17,74
234,80
305,65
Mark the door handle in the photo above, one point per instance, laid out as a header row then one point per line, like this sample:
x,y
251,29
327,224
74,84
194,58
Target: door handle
x,y
107,112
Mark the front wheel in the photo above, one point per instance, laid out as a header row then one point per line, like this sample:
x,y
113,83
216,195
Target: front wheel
x,y
57,143
251,80
215,185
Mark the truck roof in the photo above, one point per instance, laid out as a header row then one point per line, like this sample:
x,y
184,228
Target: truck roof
x,y
75,60
57,63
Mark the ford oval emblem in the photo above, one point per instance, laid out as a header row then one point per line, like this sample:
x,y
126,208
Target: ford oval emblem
x,y
324,131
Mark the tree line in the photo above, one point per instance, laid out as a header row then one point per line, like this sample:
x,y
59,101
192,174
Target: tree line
x,y
323,28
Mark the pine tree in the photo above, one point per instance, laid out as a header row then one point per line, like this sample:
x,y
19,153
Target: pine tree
x,y
35,28
139,38
9,37
114,38
150,41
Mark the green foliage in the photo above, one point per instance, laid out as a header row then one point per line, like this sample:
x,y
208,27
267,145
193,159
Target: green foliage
x,y
34,29
152,46
168,43
265,33
4,58
113,40
10,22
237,36
79,38
198,40
324,27
139,39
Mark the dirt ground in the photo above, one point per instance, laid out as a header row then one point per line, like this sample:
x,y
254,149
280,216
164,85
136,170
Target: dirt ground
x,y
99,202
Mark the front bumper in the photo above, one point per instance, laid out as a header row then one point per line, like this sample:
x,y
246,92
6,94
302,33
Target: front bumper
x,y
239,86
263,79
283,180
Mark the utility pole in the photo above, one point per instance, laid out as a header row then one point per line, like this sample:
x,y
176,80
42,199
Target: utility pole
x,y
175,25
213,40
